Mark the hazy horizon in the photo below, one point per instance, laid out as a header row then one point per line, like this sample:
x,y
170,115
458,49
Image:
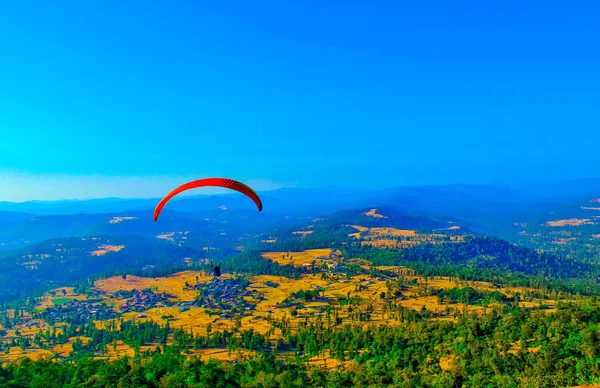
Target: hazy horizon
x,y
102,188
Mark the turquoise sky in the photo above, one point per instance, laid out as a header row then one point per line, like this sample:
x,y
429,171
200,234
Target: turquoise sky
x,y
125,99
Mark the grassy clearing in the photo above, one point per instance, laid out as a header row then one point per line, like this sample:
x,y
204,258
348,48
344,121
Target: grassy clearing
x,y
569,222
325,361
377,236
391,232
17,353
104,249
58,297
60,301
298,259
373,213
219,354
173,284
63,350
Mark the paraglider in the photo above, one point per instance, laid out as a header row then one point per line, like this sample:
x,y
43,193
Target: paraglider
x,y
218,182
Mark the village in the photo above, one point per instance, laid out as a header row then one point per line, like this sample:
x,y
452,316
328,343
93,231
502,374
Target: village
x,y
349,290
78,312
225,294
142,300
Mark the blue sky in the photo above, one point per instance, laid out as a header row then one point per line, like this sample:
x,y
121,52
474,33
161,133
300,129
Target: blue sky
x,y
129,98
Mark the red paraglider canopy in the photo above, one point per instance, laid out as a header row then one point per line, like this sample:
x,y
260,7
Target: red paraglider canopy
x,y
219,182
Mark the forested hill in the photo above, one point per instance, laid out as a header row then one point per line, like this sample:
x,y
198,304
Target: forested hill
x,y
479,252
383,235
385,216
388,237
20,230
68,261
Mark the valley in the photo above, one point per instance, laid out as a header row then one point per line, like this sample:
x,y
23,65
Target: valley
x,y
258,303
332,292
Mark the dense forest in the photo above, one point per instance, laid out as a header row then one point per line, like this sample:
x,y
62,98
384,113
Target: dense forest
x,y
507,346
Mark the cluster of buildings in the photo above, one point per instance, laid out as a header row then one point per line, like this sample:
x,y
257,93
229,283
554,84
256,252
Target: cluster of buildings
x,y
79,312
141,300
225,294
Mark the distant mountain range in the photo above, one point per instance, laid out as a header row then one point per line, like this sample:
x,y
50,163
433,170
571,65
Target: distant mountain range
x,y
55,237
327,200
485,209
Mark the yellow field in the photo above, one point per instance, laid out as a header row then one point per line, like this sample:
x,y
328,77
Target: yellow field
x,y
325,361
219,354
376,236
373,213
195,319
569,222
68,292
391,232
122,349
26,330
63,350
16,353
333,290
104,249
214,354
173,284
297,258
